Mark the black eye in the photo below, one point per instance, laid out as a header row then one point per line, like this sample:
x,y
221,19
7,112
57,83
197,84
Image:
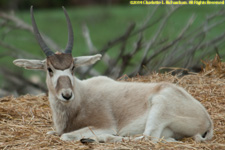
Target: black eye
x,y
73,68
50,70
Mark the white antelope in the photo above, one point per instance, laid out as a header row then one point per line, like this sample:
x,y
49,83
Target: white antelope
x,y
106,110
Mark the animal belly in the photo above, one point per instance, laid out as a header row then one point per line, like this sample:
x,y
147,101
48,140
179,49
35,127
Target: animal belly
x,y
134,127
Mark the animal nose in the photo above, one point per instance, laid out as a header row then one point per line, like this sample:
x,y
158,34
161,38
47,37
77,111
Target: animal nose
x,y
67,96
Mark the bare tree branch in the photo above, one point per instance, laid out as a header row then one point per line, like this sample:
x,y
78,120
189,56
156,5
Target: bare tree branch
x,y
166,47
92,48
153,39
87,38
114,63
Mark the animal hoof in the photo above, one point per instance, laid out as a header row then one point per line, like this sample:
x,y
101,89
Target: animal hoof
x,y
85,141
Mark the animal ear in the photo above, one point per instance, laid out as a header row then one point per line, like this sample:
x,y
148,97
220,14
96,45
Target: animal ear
x,y
86,60
30,64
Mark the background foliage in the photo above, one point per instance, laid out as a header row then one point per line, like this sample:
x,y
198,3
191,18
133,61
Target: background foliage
x,y
133,39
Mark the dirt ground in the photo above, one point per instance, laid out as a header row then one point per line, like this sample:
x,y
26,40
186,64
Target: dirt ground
x,y
25,120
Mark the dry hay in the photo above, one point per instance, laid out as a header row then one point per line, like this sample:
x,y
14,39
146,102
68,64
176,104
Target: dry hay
x,y
25,120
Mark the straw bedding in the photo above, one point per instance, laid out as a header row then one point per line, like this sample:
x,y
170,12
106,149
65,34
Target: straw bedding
x,y
25,120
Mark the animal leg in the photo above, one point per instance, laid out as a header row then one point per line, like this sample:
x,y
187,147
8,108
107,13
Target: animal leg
x,y
86,132
109,138
157,119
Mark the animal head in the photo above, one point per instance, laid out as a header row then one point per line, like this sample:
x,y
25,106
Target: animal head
x,y
59,66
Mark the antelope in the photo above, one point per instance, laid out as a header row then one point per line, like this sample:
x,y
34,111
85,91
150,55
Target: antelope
x,y
105,110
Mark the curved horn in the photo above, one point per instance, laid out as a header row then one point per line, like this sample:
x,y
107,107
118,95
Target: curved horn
x,y
41,42
69,45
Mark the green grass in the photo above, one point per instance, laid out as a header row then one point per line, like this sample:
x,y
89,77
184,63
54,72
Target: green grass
x,y
104,23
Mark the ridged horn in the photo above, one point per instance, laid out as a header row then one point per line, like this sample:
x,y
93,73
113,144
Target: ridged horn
x,y
41,42
69,45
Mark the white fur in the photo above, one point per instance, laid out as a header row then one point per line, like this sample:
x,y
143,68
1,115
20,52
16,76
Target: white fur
x,y
115,109
135,127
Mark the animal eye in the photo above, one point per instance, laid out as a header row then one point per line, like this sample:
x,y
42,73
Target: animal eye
x,y
73,68
50,70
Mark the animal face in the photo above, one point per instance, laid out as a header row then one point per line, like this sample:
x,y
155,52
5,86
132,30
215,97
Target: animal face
x,y
60,69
